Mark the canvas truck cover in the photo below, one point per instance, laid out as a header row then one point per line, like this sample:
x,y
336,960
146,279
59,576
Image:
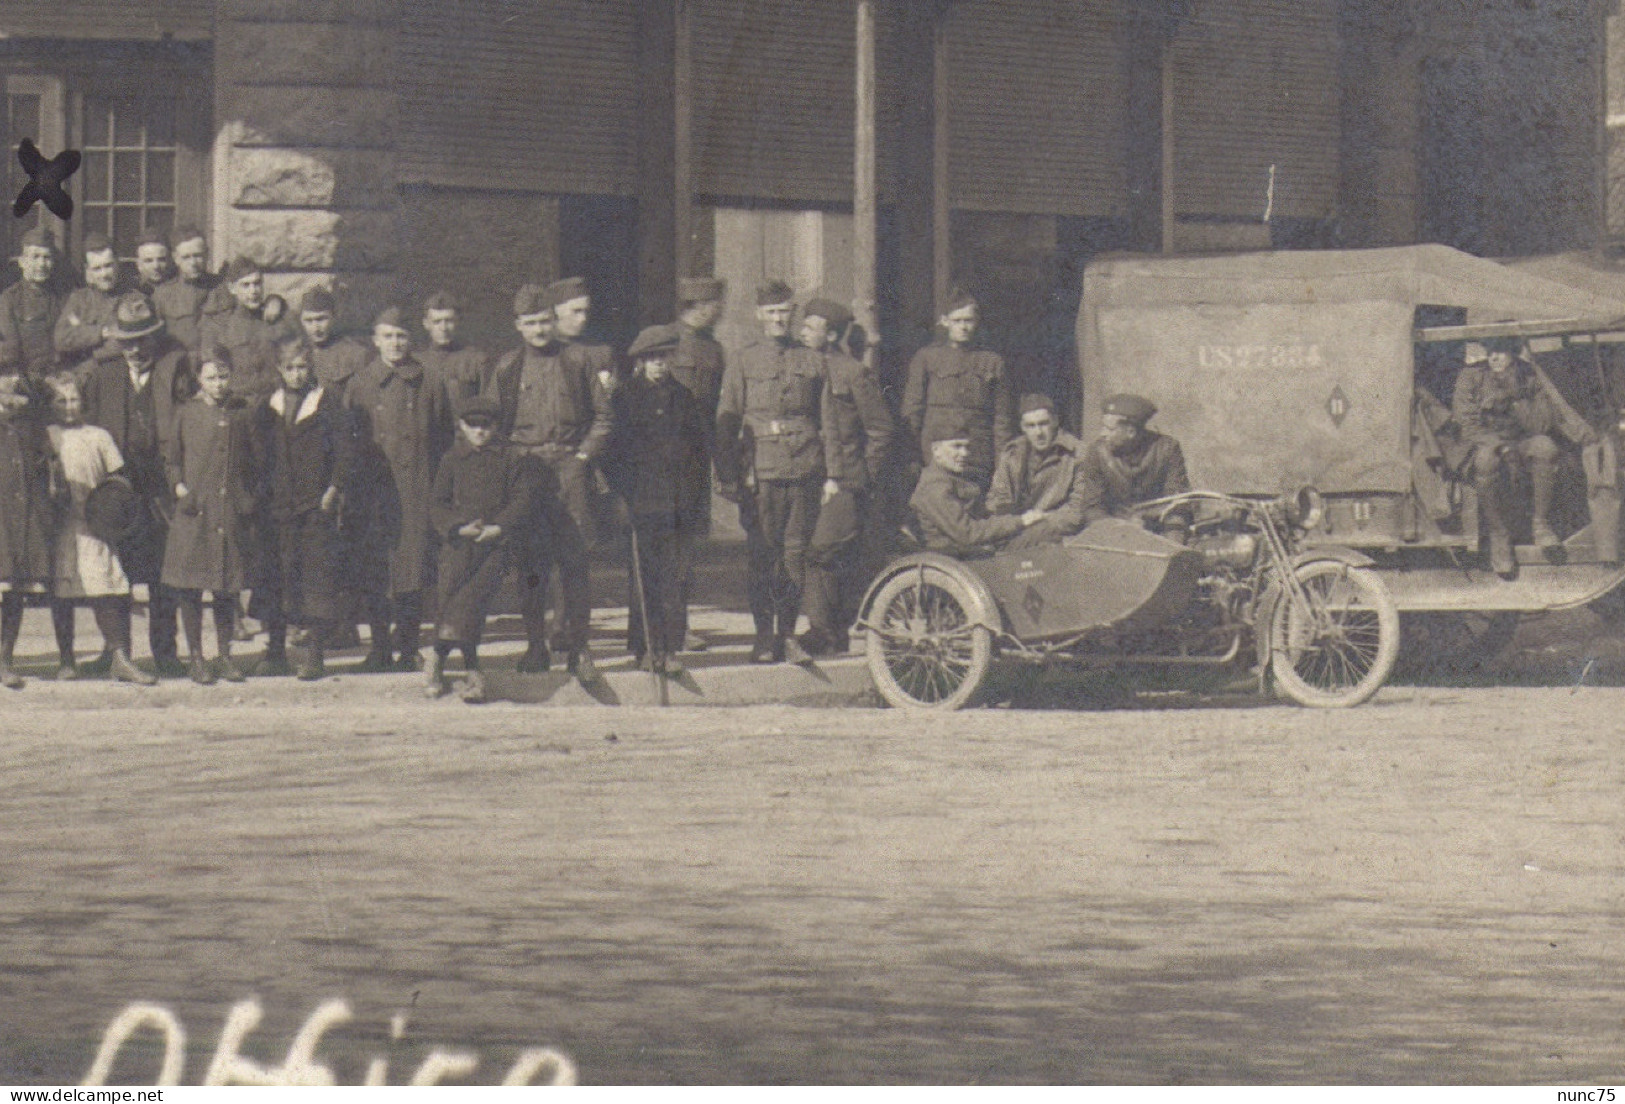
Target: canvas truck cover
x,y
1277,369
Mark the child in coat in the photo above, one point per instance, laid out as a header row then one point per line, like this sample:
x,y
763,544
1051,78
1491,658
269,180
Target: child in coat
x,y
483,492
27,519
211,469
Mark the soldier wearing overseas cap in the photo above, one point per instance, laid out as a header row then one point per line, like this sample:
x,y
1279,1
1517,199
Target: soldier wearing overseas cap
x,y
134,392
29,309
87,313
458,367
659,463
250,325
335,359
307,462
1129,464
951,508
152,267
483,492
858,430
401,425
555,400
180,299
770,459
954,385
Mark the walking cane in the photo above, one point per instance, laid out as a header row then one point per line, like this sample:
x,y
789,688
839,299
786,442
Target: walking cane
x,y
643,611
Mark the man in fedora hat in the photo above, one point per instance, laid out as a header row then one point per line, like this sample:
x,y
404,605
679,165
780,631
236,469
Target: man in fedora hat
x,y
81,328
29,309
133,393
555,400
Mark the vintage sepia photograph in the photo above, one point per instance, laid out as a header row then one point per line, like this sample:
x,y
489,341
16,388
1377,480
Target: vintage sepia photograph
x,y
834,542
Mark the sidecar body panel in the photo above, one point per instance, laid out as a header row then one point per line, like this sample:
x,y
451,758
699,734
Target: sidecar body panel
x,y
1113,574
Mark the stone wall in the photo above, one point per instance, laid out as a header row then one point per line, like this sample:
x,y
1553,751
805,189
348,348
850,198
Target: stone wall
x,y
304,154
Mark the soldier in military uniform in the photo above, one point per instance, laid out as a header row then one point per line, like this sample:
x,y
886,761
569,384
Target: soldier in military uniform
x,y
954,385
1042,470
250,325
151,263
1129,464
556,408
770,460
951,508
334,359
80,328
698,364
858,430
459,368
401,426
180,299
1507,417
29,309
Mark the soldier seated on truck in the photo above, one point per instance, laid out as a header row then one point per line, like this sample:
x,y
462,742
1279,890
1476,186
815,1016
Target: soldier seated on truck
x,y
1509,417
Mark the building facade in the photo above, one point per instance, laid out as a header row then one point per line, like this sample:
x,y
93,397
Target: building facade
x,y
392,147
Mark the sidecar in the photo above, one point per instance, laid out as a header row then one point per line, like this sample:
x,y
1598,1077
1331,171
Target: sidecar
x,y
1117,594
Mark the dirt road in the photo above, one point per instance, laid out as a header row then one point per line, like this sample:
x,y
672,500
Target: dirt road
x,y
1425,889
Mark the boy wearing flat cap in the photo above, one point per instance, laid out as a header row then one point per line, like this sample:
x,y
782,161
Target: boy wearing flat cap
x,y
954,386
483,492
1129,464
29,309
556,410
401,427
770,460
858,432
658,463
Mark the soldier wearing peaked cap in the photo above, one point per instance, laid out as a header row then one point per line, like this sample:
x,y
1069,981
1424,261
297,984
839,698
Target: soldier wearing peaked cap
x,y
657,461
29,309
401,426
770,459
81,328
556,409
858,431
956,386
1129,464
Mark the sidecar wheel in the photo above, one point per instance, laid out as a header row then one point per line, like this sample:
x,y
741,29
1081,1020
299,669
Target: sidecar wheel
x,y
1339,645
923,648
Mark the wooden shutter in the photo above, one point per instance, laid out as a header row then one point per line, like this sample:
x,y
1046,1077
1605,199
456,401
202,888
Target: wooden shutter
x,y
123,20
1255,84
1038,106
506,94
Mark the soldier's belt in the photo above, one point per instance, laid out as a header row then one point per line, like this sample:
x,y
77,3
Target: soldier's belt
x,y
780,427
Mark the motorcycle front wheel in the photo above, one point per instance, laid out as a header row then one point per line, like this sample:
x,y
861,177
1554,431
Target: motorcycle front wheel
x,y
1336,645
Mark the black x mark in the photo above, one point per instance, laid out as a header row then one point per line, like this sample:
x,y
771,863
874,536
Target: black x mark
x,y
45,180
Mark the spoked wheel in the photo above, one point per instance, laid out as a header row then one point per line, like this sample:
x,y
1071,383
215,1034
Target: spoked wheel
x,y
1454,644
924,650
1338,644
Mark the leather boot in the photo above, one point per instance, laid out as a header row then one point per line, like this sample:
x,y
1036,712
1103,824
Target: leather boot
x,y
1502,561
1542,479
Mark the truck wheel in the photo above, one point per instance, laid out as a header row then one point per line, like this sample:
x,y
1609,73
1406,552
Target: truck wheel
x,y
1338,644
924,651
1453,644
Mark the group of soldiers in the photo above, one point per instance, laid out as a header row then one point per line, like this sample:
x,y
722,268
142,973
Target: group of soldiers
x,y
197,436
